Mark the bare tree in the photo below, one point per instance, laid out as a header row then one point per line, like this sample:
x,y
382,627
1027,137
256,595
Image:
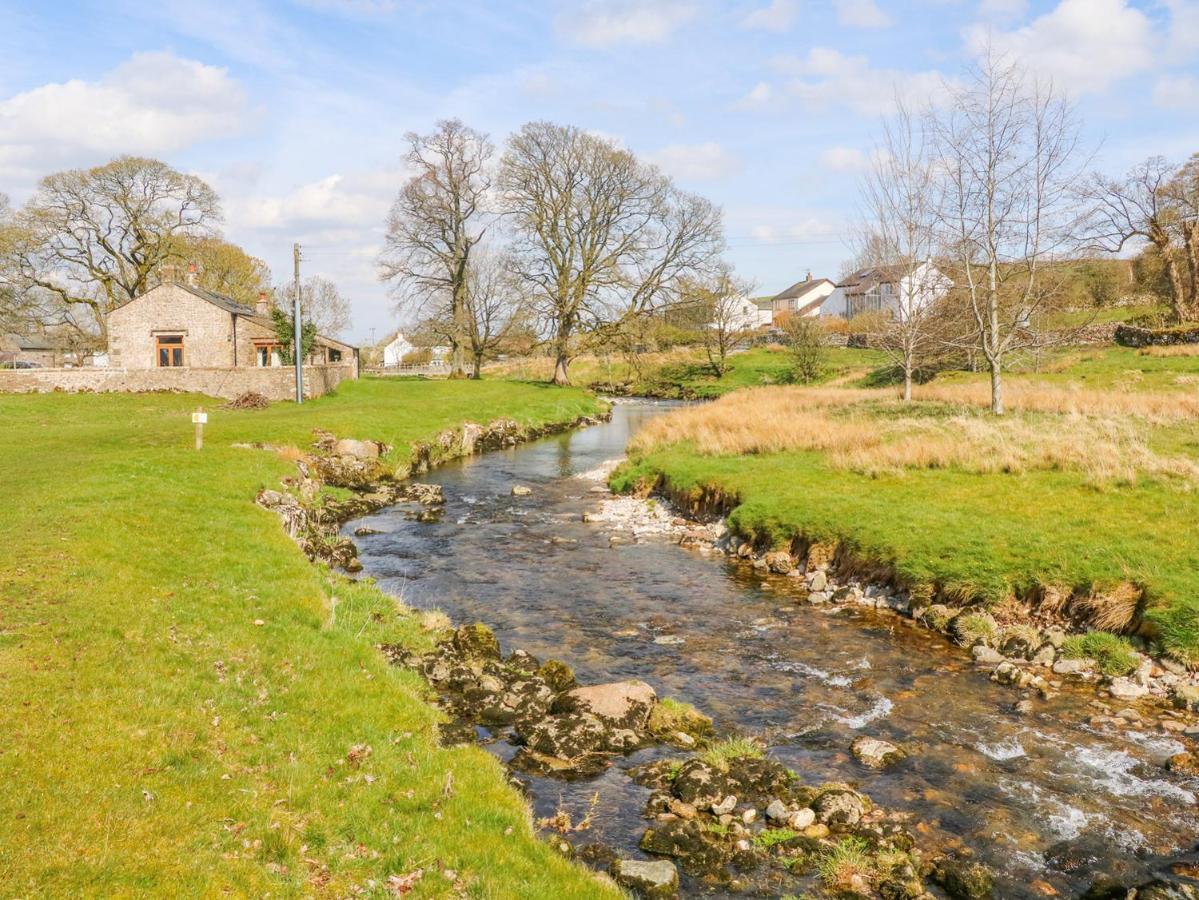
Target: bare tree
x,y
94,238
900,234
1009,146
495,307
322,304
727,321
599,236
436,222
1139,207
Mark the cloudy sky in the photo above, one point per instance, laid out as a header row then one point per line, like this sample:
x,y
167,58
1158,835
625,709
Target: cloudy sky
x,y
295,110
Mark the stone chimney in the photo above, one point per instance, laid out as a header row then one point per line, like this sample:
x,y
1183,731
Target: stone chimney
x,y
192,274
809,278
263,306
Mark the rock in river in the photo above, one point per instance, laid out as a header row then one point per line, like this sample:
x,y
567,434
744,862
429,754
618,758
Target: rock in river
x,y
654,879
621,704
875,753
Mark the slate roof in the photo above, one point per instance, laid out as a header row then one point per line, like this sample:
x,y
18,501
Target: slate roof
x,y
800,288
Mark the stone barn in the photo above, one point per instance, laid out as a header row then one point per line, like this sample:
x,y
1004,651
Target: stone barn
x,y
182,326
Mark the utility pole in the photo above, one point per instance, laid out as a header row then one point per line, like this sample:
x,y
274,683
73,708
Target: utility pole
x,y
297,346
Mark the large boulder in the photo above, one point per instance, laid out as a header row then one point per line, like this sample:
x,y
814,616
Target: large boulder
x,y
651,879
566,736
620,704
357,449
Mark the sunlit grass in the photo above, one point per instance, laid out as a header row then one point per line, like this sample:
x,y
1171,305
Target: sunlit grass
x,y
188,706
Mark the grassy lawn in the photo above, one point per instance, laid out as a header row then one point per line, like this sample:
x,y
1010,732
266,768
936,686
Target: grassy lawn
x,y
936,497
188,706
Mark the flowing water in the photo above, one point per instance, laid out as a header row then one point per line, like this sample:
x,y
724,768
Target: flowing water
x,y
1043,798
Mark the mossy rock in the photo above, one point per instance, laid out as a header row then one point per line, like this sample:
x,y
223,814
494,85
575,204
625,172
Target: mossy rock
x,y
670,718
476,641
965,880
557,674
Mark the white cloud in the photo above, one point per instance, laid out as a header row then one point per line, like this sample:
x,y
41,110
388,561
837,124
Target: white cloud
x,y
1083,45
697,162
1177,92
777,15
760,97
861,14
326,205
153,104
1182,33
844,159
828,79
602,23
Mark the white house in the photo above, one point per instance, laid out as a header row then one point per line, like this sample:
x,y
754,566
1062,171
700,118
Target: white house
x,y
395,350
744,314
889,289
804,298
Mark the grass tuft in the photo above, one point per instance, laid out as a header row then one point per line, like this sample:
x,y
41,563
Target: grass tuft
x,y
1112,653
719,754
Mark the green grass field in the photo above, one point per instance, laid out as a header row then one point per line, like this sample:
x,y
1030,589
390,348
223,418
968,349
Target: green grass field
x,y
988,534
189,708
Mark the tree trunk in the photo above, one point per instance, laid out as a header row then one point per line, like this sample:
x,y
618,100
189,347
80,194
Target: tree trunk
x,y
1178,299
478,368
907,382
996,388
560,375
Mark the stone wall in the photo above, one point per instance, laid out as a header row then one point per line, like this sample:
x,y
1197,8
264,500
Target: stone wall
x,y
273,383
1133,336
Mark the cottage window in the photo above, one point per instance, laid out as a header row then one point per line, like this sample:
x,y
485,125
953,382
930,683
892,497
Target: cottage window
x,y
334,355
169,350
266,355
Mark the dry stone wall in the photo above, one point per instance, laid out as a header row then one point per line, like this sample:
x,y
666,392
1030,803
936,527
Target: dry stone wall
x,y
273,383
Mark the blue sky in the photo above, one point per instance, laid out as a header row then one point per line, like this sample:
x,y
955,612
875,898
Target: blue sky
x,y
295,110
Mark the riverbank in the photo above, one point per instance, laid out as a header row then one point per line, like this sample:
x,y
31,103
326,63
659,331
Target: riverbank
x,y
189,706
1076,510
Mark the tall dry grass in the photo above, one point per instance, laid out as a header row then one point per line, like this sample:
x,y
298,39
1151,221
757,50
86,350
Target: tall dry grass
x,y
872,433
1159,407
1173,350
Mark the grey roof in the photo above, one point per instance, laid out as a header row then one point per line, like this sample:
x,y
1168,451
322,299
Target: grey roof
x,y
226,303
864,279
800,288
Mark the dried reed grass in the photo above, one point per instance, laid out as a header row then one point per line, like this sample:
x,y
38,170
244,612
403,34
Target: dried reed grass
x,y
1160,407
1172,350
863,431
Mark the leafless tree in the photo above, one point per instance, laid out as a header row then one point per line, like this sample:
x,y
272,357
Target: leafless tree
x,y
804,337
899,234
600,236
437,221
495,307
1009,146
321,303
92,239
721,300
1158,203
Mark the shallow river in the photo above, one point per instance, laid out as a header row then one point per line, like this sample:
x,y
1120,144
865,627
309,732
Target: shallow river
x,y
1043,798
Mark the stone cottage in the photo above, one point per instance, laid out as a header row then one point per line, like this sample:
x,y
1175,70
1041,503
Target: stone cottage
x,y
180,325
